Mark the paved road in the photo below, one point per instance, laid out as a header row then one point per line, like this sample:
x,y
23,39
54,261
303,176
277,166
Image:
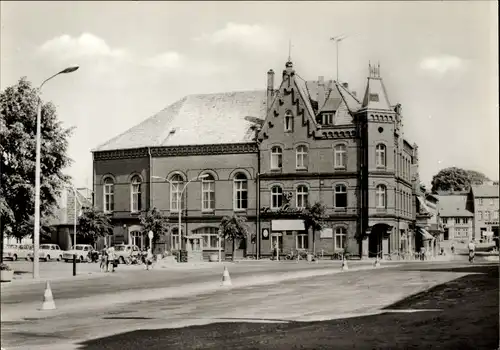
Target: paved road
x,y
314,298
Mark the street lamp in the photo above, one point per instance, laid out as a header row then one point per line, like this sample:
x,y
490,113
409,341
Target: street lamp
x,y
179,205
36,230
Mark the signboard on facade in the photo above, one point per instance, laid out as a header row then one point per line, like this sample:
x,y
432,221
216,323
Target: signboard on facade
x,y
265,234
326,233
491,223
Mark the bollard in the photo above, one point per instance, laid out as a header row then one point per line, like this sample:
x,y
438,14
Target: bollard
x,y
74,264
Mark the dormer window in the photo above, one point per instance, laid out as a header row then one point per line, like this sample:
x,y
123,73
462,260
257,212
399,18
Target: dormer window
x,y
374,97
288,121
327,119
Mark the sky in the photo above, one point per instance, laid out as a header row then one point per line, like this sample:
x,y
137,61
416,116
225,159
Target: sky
x,y
439,59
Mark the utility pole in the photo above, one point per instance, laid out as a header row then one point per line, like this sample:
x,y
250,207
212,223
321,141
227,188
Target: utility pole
x,y
338,39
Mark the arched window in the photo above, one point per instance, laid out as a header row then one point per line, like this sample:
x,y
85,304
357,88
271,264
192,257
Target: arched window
x,y
381,196
288,121
380,155
340,159
301,157
176,187
302,196
135,194
208,193
340,238
109,195
240,192
340,197
276,197
276,157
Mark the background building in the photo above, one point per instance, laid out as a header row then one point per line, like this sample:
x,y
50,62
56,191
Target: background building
x,y
428,222
483,200
266,155
457,218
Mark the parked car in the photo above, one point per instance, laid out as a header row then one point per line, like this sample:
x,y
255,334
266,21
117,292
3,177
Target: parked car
x,y
124,253
83,253
16,251
47,252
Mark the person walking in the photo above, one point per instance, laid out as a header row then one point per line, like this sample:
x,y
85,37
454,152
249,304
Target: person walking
x,y
472,251
111,259
149,259
104,259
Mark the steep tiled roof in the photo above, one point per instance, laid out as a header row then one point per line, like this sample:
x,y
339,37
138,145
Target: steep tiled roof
x,y
376,95
485,191
350,100
453,206
196,120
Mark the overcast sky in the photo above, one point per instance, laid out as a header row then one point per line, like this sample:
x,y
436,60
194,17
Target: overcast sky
x,y
438,59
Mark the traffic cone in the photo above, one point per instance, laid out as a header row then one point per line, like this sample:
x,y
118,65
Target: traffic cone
x,y
226,279
377,262
48,300
344,265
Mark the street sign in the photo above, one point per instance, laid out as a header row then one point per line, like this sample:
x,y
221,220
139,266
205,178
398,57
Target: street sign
x,y
150,234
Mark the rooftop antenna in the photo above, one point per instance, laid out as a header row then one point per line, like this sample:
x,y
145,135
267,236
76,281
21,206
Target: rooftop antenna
x,y
338,39
289,50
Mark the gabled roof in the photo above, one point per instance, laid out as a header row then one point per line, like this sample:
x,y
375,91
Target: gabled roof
x,y
376,95
350,100
485,191
197,120
453,206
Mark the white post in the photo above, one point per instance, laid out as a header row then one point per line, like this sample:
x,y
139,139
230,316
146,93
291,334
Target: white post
x,y
36,233
220,251
277,248
74,222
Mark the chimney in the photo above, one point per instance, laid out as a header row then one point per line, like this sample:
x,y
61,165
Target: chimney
x,y
321,92
270,88
346,86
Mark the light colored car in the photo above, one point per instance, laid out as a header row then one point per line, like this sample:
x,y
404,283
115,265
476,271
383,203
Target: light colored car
x,y
16,251
47,252
123,252
82,252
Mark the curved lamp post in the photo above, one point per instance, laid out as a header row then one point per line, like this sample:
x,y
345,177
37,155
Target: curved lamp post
x,y
36,230
179,206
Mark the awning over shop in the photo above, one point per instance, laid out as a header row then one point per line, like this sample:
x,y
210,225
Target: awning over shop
x,y
425,235
287,225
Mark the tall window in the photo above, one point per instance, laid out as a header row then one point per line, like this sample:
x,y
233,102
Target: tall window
x,y
340,152
340,238
444,220
301,157
327,119
276,197
276,157
176,241
135,204
302,242
208,193
340,197
109,195
302,196
138,239
480,201
381,195
210,237
380,155
176,183
465,220
480,215
288,121
486,215
240,192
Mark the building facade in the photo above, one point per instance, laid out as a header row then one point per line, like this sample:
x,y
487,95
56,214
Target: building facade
x,y
267,155
484,201
428,222
457,218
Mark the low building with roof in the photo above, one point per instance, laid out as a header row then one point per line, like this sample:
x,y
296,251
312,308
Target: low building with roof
x,y
266,155
457,218
483,200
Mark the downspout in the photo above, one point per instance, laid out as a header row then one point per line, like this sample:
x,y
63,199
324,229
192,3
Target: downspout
x,y
150,188
258,203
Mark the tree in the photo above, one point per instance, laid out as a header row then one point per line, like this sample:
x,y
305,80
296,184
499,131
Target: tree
x,y
455,179
154,220
314,217
233,228
94,224
18,112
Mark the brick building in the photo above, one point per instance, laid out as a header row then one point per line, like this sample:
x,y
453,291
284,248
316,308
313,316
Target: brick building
x,y
484,202
266,155
457,219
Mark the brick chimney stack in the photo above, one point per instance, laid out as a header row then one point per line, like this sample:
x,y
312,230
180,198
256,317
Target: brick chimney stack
x,y
270,88
321,92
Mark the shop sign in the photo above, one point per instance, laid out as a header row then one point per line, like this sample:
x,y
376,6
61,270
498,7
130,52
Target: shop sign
x,y
491,223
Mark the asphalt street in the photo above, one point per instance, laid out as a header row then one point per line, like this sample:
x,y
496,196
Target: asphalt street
x,y
251,299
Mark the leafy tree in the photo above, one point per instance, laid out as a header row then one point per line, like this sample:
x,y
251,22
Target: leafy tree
x,y
94,224
154,220
19,104
314,217
232,228
455,179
